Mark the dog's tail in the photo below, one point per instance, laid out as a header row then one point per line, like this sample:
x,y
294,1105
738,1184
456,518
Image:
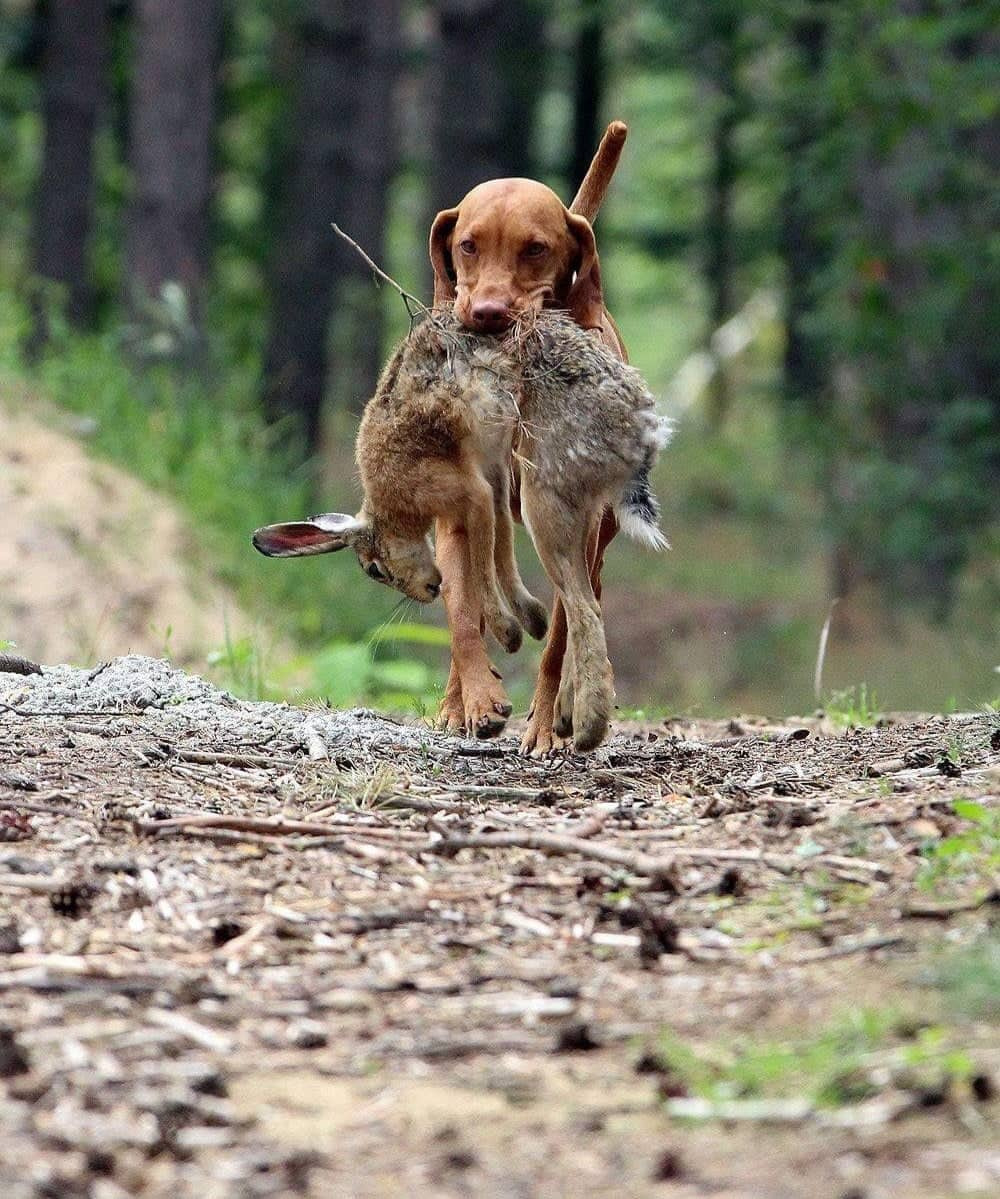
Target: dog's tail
x,y
590,197
638,511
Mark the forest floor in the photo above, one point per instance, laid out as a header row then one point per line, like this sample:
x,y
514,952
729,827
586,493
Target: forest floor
x,y
254,950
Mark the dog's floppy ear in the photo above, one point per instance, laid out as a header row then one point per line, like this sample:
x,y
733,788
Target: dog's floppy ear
x,y
585,299
317,535
444,268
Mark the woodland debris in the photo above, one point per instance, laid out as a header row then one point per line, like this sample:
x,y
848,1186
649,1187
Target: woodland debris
x,y
391,917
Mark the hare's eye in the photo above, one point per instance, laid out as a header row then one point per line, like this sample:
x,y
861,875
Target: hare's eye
x,y
467,246
374,571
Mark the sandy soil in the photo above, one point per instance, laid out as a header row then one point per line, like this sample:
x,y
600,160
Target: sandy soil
x,y
92,562
247,950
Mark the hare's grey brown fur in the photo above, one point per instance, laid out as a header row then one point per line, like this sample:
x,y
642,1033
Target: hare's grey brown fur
x,y
455,416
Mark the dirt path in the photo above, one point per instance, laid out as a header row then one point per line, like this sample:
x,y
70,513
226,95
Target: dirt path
x,y
713,960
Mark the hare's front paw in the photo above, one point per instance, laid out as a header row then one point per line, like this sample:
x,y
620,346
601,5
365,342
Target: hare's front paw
x,y
532,615
505,629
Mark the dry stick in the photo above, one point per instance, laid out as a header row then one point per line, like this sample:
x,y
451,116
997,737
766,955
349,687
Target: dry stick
x,y
274,826
824,637
942,911
24,805
640,863
406,296
845,948
209,758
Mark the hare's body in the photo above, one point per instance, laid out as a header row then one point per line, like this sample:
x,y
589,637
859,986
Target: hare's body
x,y
455,416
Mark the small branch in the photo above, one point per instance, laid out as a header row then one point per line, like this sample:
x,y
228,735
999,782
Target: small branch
x,y
824,637
406,297
640,863
208,758
274,826
845,948
942,911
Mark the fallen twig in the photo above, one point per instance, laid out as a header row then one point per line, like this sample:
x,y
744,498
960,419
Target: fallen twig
x,y
637,863
208,758
844,948
941,911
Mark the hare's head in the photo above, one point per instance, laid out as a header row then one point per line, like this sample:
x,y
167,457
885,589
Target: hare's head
x,y
406,563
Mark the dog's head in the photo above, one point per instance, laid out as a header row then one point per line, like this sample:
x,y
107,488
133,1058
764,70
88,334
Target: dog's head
x,y
512,245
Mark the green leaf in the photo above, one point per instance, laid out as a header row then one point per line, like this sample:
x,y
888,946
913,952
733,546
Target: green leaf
x,y
416,634
342,673
970,811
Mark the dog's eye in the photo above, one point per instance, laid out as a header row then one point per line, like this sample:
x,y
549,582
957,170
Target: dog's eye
x,y
535,249
467,246
374,571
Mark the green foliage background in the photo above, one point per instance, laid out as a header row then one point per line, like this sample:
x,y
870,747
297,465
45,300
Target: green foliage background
x,y
893,453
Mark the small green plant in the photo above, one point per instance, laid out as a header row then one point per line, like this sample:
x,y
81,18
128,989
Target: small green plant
x,y
843,1063
853,707
969,977
6,645
240,664
968,858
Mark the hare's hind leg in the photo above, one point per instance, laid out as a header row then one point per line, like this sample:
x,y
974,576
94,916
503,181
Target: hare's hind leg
x,y
481,526
528,610
561,536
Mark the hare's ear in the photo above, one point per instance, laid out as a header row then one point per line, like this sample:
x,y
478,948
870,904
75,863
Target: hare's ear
x,y
440,248
585,299
318,535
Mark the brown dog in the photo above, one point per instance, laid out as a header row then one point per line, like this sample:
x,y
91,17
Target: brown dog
x,y
511,245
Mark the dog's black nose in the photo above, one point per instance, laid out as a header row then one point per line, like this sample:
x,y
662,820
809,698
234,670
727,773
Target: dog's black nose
x,y
490,316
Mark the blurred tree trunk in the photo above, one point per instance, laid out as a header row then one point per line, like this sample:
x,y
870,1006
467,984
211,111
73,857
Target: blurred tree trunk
x,y
721,61
804,375
341,159
468,99
76,37
589,76
171,113
523,65
486,72
374,157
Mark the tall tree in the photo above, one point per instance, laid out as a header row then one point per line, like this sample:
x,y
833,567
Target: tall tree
x,y
76,38
713,38
373,161
589,80
486,75
341,157
172,105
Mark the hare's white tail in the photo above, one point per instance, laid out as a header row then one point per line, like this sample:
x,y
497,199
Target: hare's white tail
x,y
638,510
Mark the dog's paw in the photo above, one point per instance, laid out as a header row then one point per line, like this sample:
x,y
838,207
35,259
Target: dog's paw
x,y
451,714
540,739
486,712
